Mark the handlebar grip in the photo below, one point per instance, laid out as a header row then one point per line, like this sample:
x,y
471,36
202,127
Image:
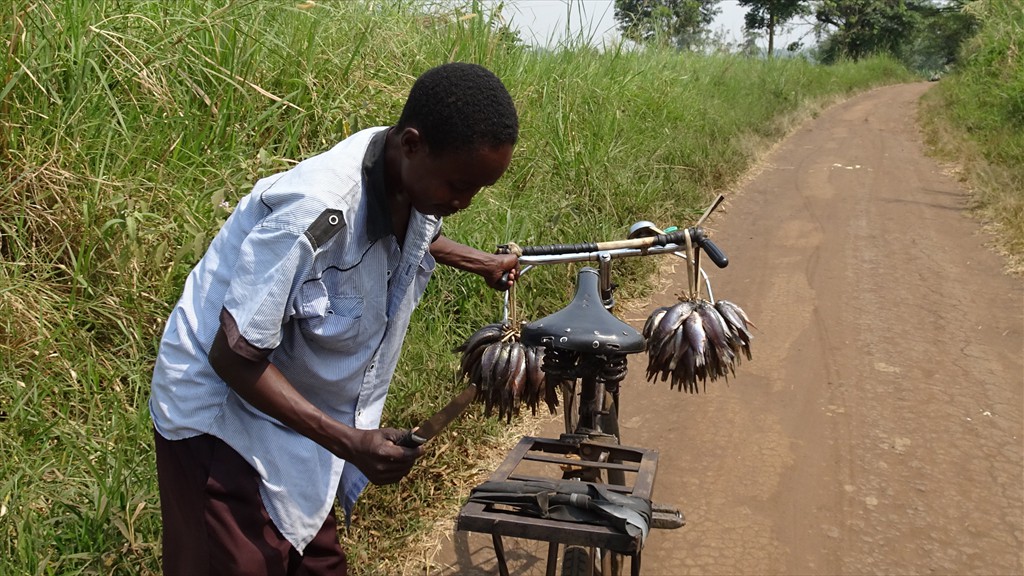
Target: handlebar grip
x,y
715,253
698,237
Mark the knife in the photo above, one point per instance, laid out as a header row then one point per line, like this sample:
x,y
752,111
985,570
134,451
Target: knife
x,y
431,426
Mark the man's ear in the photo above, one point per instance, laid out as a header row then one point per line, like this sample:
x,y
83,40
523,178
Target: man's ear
x,y
411,140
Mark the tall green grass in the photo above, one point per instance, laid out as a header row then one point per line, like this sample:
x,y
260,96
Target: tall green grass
x,y
976,115
129,129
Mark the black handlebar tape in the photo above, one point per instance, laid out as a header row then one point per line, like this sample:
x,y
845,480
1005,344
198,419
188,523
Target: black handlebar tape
x,y
679,237
556,249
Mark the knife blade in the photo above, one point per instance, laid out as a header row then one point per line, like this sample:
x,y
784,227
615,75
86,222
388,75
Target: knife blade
x,y
431,426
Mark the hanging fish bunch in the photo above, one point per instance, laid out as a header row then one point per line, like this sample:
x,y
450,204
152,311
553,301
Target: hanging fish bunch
x,y
696,340
506,371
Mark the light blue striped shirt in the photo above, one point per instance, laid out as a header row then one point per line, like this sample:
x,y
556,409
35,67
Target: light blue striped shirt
x,y
307,272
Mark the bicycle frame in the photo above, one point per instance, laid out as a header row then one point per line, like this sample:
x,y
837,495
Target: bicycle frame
x,y
583,343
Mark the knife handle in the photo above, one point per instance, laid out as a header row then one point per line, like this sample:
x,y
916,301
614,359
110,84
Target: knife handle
x,y
411,440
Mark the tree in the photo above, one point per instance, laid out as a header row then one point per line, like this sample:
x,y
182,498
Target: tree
x,y
859,28
943,28
680,23
924,34
768,15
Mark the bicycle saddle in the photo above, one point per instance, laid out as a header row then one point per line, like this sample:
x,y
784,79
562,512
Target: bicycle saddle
x,y
584,325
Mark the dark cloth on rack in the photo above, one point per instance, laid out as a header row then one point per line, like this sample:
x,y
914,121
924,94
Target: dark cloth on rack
x,y
570,501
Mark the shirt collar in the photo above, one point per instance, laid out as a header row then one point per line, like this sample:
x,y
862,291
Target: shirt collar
x,y
378,217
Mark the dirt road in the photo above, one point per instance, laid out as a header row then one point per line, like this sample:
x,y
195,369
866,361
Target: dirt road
x,y
879,428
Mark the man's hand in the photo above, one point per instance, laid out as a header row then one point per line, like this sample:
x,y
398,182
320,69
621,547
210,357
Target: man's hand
x,y
498,270
378,456
262,385
502,274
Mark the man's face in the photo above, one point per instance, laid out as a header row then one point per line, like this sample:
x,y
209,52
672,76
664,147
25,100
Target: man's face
x,y
441,184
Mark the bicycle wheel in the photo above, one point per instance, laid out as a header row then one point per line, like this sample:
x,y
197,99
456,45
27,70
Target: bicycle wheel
x,y
577,561
583,561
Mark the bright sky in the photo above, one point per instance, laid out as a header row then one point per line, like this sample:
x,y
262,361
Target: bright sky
x,y
544,22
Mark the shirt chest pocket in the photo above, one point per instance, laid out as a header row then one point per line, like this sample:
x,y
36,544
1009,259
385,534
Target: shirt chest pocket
x,y
331,314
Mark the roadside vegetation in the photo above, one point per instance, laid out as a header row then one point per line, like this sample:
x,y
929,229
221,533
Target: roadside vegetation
x,y
129,130
975,117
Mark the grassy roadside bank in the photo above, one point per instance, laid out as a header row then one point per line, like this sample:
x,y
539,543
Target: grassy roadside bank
x,y
126,134
975,118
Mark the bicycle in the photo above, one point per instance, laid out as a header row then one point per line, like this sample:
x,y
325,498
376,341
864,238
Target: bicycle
x,y
585,350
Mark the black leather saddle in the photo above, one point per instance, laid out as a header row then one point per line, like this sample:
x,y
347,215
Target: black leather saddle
x,y
584,325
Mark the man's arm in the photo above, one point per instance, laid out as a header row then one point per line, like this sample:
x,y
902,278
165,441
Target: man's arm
x,y
263,386
498,270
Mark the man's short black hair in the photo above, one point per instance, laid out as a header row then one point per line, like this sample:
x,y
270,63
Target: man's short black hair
x,y
460,106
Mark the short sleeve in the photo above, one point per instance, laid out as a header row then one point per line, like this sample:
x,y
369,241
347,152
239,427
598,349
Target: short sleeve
x,y
271,265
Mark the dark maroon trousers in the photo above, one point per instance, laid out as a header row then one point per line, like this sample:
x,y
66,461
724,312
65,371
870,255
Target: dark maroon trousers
x,y
215,522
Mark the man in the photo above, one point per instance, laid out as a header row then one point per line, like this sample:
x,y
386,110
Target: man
x,y
275,363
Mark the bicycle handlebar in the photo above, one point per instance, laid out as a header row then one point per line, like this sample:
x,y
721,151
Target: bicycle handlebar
x,y
658,244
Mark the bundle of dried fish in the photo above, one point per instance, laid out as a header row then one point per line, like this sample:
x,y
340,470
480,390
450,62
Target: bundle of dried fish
x,y
696,340
507,372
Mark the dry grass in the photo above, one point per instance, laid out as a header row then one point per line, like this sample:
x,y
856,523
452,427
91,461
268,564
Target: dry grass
x,y
997,192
